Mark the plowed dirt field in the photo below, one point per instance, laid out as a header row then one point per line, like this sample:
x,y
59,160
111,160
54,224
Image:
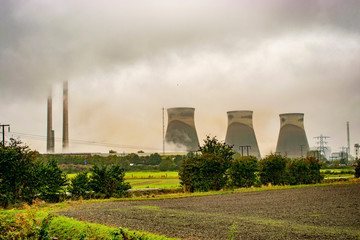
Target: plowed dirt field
x,y
324,212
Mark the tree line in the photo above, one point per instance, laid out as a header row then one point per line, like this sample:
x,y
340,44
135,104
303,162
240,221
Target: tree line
x,y
130,162
24,176
215,169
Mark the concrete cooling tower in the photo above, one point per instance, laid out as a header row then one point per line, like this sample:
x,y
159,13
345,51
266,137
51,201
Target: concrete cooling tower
x,y
292,141
240,133
181,133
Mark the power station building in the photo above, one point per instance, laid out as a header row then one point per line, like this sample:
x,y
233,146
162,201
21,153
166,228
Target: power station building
x,y
292,141
240,133
181,132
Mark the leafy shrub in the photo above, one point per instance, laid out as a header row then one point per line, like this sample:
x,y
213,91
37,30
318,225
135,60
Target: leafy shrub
x,y
203,173
357,169
17,164
314,169
50,181
24,176
213,146
272,169
206,171
25,224
242,172
298,172
109,180
167,164
80,185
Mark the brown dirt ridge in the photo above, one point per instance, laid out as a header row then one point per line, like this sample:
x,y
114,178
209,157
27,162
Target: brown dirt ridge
x,y
323,212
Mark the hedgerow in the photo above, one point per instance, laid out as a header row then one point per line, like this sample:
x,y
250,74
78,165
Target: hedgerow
x,y
214,169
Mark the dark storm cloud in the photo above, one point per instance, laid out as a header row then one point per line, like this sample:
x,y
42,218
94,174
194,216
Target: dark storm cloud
x,y
131,55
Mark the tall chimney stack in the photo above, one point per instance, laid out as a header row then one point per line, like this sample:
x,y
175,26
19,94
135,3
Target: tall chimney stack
x,y
50,145
65,141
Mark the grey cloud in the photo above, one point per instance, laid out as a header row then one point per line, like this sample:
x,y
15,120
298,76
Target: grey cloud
x,y
139,55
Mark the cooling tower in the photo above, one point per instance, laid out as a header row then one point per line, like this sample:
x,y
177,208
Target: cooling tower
x,y
240,133
50,145
65,140
292,141
181,133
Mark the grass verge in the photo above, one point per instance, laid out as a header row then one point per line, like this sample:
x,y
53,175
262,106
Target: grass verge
x,y
39,222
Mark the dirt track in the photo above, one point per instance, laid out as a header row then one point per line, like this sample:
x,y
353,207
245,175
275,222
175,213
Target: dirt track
x,y
327,212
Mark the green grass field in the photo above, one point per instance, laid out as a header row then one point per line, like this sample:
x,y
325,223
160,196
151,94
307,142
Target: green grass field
x,y
150,175
170,180
164,183
140,180
338,173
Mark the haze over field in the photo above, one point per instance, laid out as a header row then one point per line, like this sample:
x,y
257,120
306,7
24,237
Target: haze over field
x,y
125,60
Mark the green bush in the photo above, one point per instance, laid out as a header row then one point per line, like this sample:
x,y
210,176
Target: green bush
x,y
167,164
17,166
50,181
298,172
24,176
80,185
108,180
314,169
206,171
242,172
272,169
213,146
203,173
357,169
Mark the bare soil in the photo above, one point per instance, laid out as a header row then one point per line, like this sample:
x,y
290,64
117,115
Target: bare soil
x,y
323,212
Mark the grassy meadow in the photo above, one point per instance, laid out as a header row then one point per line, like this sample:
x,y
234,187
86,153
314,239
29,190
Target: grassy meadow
x,y
170,179
338,173
140,180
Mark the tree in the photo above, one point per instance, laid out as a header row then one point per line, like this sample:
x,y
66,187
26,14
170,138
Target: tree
x,y
272,169
166,164
314,169
243,171
203,173
213,146
178,160
357,169
50,181
154,159
17,166
304,171
24,176
80,185
207,171
109,181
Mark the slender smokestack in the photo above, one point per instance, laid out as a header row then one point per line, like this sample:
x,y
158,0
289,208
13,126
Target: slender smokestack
x,y
241,134
348,140
292,141
65,117
49,143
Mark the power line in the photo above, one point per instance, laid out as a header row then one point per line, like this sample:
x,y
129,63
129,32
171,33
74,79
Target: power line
x,y
85,142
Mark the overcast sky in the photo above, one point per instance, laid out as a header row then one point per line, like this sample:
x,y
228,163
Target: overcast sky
x,y
125,60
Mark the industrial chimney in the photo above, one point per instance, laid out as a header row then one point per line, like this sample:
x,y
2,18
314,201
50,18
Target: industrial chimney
x,y
240,133
65,140
50,143
292,141
181,132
